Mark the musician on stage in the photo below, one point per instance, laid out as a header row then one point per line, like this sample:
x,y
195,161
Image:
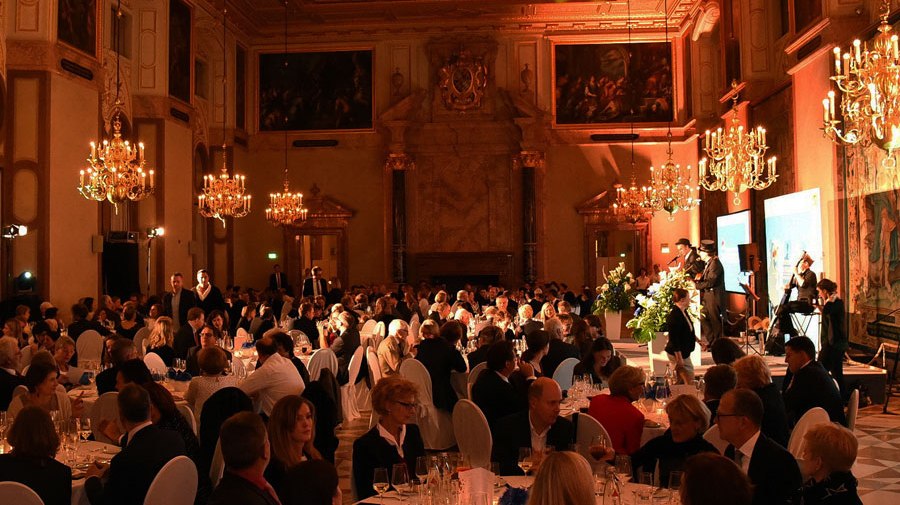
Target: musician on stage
x,y
690,261
711,283
804,280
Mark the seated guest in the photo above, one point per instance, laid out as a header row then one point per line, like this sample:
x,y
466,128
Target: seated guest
x,y
133,371
559,350
207,339
393,440
32,461
526,322
807,383
725,351
580,334
718,379
394,348
563,479
600,362
161,340
345,345
219,321
537,345
248,314
292,430
266,322
753,374
688,421
40,379
539,427
246,452
145,450
130,324
9,366
62,355
187,334
313,482
212,362
487,337
771,468
307,324
272,382
493,392
595,324
623,421
440,359
829,452
81,322
221,405
454,332
121,351
284,344
731,485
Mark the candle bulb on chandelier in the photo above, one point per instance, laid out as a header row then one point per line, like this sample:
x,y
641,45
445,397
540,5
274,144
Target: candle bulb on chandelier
x,y
152,181
837,61
856,44
826,107
831,101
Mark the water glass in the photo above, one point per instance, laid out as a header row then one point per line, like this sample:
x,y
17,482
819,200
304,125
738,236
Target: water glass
x,y
675,479
400,480
623,468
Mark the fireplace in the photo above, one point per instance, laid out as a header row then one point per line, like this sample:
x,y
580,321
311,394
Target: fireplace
x,y
455,269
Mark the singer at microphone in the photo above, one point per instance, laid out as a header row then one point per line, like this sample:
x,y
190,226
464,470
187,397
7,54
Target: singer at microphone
x,y
691,262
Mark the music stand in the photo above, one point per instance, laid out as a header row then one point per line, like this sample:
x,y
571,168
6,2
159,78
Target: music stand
x,y
752,298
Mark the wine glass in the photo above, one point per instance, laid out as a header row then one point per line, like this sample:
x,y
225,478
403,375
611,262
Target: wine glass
x,y
84,429
675,479
400,480
380,482
623,468
598,447
525,460
422,469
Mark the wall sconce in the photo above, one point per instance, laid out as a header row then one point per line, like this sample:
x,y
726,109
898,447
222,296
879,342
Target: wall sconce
x,y
14,230
158,231
664,248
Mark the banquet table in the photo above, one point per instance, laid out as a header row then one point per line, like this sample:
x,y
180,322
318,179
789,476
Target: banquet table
x,y
657,421
88,394
86,453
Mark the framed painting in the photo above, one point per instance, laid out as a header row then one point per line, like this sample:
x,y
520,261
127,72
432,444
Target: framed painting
x,y
327,90
612,83
180,64
76,25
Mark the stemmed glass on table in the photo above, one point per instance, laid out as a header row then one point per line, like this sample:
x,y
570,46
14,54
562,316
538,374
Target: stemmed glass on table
x,y
380,482
525,460
84,429
623,468
400,480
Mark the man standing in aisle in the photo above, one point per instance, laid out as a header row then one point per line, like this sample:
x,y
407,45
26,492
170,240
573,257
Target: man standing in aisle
x,y
179,301
711,283
315,285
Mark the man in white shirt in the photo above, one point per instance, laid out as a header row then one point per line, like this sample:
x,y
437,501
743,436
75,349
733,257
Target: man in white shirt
x,y
275,377
772,469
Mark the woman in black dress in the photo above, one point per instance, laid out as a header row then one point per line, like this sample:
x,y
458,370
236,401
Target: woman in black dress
x,y
834,338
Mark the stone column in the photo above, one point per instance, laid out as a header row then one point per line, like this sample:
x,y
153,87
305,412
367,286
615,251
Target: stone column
x,y
528,162
398,164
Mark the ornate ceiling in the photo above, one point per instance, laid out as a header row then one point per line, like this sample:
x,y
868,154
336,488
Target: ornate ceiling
x,y
265,17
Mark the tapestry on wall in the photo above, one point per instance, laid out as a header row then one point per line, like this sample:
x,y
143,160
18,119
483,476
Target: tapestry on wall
x,y
180,64
612,83
329,90
76,25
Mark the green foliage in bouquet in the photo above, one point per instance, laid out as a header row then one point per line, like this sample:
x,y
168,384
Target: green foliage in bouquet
x,y
652,310
616,294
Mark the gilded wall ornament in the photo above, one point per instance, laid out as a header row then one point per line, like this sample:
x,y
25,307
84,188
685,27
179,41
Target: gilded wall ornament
x,y
463,80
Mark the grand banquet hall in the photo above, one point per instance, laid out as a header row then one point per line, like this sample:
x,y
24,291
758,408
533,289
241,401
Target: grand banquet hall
x,y
433,219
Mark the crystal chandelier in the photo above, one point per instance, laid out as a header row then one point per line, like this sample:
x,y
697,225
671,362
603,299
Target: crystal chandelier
x,y
736,159
285,208
670,187
224,196
869,83
116,169
631,202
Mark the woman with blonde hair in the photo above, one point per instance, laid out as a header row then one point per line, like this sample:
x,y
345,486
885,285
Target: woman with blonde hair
x,y
161,338
829,452
564,478
547,312
292,430
753,373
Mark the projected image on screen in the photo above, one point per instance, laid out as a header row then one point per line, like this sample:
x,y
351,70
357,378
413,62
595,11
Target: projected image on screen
x,y
732,230
793,225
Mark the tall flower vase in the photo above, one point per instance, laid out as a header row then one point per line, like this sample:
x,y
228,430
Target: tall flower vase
x,y
613,325
658,357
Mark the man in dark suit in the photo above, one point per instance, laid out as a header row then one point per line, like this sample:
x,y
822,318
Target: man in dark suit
x,y
493,392
246,451
488,336
681,340
440,359
145,450
284,345
278,280
207,339
807,383
345,345
539,428
81,324
560,350
186,336
772,469
307,324
9,377
178,302
688,259
711,284
122,350
315,285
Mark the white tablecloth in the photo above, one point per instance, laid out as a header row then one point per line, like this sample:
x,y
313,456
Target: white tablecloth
x,y
87,453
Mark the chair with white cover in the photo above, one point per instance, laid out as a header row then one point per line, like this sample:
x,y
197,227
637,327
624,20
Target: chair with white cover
x,y
380,332
106,408
89,347
364,396
588,428
412,338
21,389
368,327
348,390
713,437
322,358
564,372
435,425
175,484
140,340
188,416
852,409
424,306
482,325
473,434
414,319
238,368
473,376
20,494
217,467
240,337
25,359
812,417
155,363
683,389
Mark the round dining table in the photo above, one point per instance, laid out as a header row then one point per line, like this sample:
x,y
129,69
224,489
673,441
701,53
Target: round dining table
x,y
86,453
